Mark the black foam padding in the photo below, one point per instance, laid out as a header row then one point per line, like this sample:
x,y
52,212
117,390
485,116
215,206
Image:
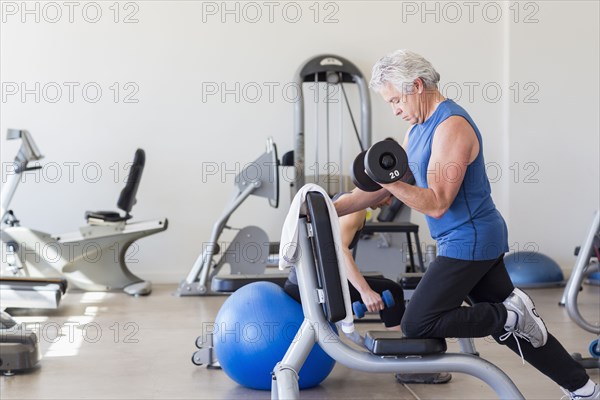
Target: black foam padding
x,y
287,160
389,343
324,246
409,282
127,198
108,216
401,227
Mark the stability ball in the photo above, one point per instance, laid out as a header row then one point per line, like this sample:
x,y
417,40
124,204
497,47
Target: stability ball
x,y
530,269
594,279
253,330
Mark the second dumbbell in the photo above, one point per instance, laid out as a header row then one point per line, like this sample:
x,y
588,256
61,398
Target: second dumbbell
x,y
360,309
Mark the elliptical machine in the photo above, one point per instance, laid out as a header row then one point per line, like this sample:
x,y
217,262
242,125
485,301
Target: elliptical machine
x,y
92,258
248,253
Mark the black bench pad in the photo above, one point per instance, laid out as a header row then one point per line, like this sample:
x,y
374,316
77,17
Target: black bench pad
x,y
410,281
388,343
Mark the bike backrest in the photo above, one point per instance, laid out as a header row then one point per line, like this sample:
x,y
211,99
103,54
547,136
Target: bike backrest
x,y
127,197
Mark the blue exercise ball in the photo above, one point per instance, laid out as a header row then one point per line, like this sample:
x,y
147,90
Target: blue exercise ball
x,y
253,330
594,279
530,269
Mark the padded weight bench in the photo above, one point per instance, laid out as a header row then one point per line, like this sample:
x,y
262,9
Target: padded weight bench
x,y
323,303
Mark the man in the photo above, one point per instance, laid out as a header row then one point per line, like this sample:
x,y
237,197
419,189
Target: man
x,y
445,152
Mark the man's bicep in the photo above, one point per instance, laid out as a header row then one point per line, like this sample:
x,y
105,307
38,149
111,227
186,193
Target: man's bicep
x,y
450,156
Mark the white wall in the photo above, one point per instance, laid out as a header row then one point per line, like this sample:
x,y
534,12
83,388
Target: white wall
x,y
176,49
554,143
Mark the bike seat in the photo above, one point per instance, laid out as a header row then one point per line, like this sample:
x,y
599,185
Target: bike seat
x,y
105,216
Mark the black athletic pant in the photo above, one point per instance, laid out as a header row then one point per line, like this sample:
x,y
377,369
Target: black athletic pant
x,y
435,311
390,316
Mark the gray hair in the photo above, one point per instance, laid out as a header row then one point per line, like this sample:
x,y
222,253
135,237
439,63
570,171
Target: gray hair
x,y
400,69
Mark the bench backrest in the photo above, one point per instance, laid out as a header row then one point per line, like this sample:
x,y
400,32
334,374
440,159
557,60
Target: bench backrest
x,y
324,252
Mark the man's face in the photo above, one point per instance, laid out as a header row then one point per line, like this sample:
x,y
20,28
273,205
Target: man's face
x,y
405,103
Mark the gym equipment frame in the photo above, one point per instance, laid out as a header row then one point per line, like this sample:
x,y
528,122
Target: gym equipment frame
x,y
259,178
334,70
583,267
92,258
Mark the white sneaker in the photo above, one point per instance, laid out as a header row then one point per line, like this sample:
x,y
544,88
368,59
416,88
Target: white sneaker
x,y
572,396
529,325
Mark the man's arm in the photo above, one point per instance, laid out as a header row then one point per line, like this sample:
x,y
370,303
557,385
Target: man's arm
x,y
454,147
358,200
349,225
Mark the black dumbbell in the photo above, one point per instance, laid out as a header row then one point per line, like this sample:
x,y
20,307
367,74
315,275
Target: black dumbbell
x,y
359,177
386,162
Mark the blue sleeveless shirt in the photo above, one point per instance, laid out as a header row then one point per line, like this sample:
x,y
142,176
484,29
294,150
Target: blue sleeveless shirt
x,y
472,228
